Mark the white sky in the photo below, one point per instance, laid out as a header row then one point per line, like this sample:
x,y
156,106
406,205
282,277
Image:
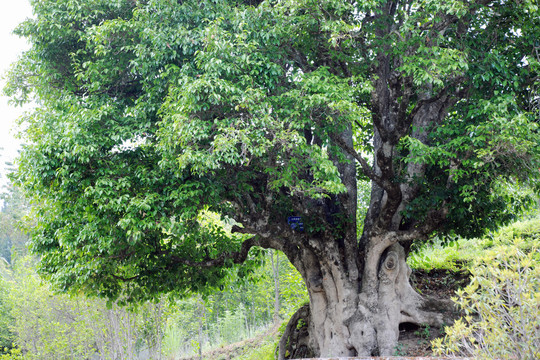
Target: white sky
x,y
13,12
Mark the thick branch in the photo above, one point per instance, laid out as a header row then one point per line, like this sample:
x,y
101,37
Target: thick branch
x,y
237,257
366,169
124,279
437,97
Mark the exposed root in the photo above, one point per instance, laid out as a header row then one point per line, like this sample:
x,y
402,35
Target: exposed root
x,y
294,343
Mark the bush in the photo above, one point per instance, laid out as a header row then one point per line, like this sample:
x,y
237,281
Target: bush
x,y
12,354
501,307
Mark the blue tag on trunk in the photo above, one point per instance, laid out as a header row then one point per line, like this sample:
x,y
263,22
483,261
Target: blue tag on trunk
x,y
296,223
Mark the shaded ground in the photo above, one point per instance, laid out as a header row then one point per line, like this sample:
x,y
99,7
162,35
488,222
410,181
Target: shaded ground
x,y
438,282
442,284
414,341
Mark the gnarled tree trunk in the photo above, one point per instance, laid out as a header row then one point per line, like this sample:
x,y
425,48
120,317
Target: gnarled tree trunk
x,y
346,320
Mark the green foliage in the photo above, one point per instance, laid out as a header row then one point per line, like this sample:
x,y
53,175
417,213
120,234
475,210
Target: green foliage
x,y
12,354
6,319
497,200
398,350
423,333
264,352
242,309
466,149
449,255
292,288
456,253
232,322
153,115
501,307
44,325
364,192
527,230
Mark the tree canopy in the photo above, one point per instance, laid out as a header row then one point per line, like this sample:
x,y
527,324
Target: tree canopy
x,y
154,116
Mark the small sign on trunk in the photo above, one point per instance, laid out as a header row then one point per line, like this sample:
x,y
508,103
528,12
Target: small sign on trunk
x,y
296,223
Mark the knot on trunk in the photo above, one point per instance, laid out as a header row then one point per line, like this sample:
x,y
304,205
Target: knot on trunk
x,y
391,268
391,261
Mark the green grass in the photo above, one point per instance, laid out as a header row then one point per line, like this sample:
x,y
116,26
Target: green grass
x,y
265,352
461,252
260,347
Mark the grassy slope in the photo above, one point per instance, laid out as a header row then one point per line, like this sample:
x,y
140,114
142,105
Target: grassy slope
x,y
459,253
261,347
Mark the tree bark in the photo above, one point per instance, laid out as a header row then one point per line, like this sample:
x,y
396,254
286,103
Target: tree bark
x,y
343,320
294,344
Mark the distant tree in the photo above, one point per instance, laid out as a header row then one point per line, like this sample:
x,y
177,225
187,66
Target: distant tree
x,y
269,113
45,325
12,237
275,272
6,319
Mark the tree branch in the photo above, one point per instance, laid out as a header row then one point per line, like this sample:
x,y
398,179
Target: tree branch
x,y
437,97
124,278
366,169
237,257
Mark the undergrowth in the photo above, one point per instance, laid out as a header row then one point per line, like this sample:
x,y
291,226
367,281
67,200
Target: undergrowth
x,y
459,253
502,316
264,352
500,305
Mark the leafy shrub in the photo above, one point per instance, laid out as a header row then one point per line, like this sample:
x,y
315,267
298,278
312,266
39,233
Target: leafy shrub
x,y
528,230
501,307
12,354
45,325
6,335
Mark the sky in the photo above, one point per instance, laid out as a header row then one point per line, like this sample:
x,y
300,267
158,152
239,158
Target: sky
x,y
11,46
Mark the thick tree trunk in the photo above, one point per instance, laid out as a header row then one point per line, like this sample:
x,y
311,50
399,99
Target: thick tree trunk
x,y
346,320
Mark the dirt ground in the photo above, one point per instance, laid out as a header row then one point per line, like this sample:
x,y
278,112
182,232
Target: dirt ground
x,y
442,284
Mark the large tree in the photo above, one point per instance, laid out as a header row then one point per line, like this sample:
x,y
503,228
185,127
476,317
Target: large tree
x,y
152,113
